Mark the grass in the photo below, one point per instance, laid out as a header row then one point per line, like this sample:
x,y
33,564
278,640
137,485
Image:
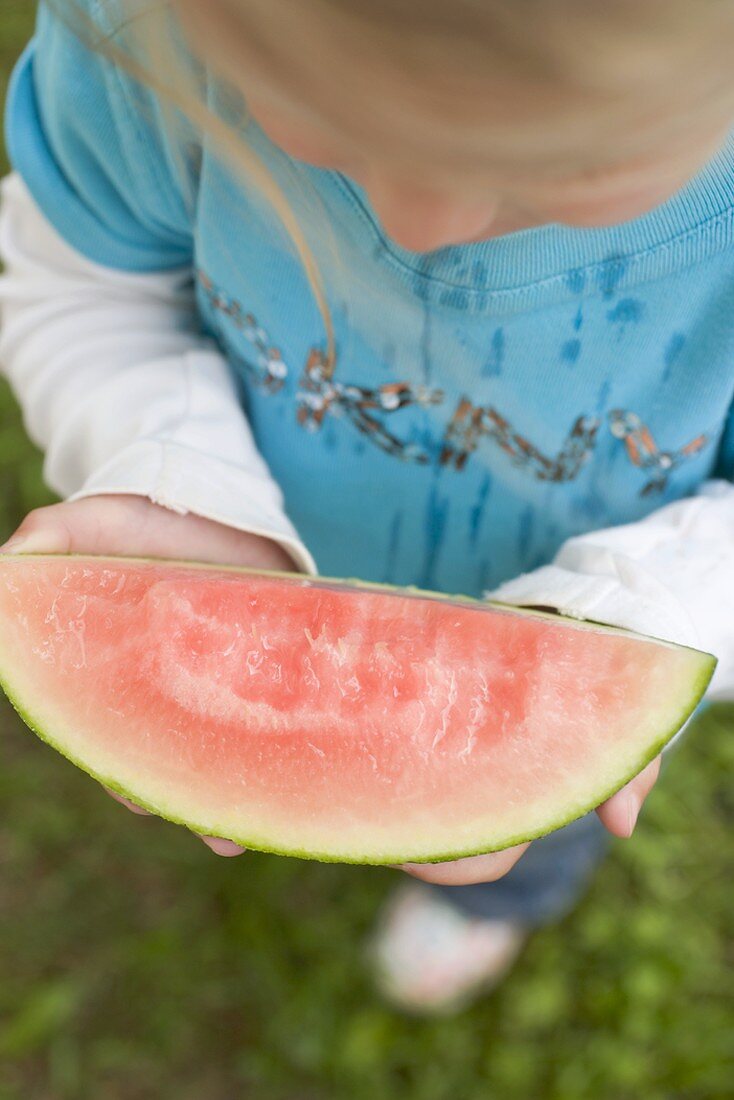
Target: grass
x,y
134,965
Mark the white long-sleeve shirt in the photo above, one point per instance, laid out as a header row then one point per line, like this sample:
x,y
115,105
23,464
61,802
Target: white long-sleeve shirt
x,y
124,395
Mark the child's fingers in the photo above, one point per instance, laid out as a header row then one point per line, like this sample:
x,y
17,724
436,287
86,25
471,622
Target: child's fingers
x,y
466,872
619,813
43,531
222,847
128,804
217,844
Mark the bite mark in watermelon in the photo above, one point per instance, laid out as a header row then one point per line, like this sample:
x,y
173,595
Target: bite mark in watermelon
x,y
333,720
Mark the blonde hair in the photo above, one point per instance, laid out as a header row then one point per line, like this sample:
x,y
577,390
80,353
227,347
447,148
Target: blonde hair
x,y
541,86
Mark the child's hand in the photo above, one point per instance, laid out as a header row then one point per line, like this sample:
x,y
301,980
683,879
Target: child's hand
x,y
618,814
134,526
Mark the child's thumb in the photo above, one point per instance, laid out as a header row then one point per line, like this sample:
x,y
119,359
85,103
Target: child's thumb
x,y
41,532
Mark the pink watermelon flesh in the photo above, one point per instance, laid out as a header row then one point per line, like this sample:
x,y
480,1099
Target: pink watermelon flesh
x,y
332,720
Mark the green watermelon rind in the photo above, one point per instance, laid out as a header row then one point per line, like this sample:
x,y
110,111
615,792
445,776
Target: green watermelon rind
x,y
699,685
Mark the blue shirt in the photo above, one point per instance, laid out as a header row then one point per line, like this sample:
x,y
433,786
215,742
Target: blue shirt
x,y
487,401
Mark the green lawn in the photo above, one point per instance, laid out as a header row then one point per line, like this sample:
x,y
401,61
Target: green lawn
x,y
134,965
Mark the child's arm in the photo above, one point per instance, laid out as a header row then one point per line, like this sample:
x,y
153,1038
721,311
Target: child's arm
x,y
120,391
670,575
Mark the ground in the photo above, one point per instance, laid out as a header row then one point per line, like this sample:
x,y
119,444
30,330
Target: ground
x,y
135,965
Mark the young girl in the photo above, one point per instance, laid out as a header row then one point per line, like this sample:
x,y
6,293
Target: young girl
x,y
437,292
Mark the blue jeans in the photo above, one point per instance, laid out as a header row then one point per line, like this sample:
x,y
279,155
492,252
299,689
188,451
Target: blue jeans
x,y
547,881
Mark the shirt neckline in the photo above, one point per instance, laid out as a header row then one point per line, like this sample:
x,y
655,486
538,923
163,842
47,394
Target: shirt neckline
x,y
552,259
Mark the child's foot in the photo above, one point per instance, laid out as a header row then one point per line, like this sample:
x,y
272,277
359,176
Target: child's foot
x,y
429,957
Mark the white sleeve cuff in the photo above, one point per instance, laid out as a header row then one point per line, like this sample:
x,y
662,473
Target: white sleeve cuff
x,y
597,584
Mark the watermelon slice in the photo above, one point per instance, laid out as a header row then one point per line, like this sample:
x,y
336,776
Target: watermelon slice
x,y
333,720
